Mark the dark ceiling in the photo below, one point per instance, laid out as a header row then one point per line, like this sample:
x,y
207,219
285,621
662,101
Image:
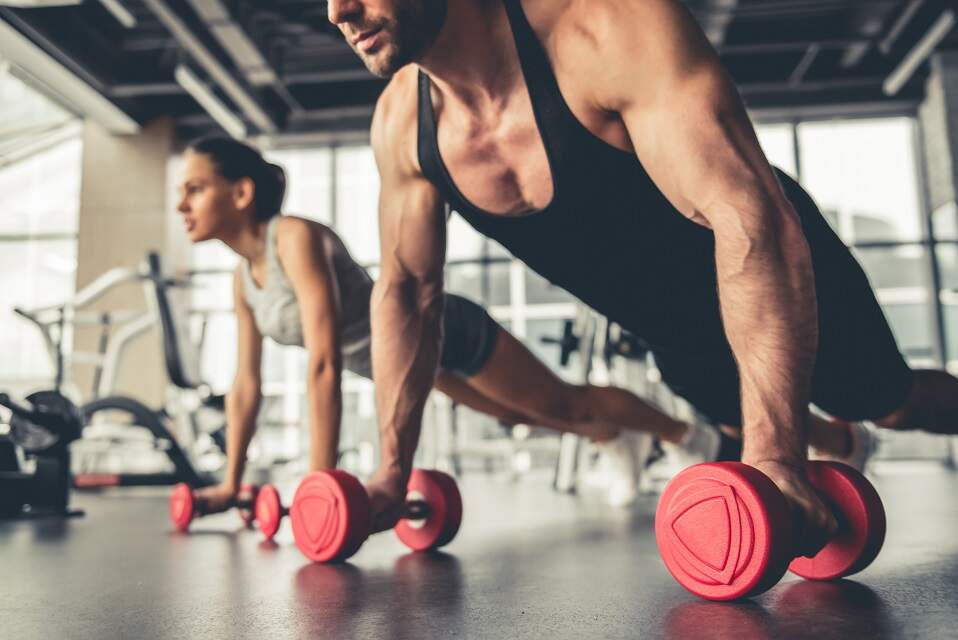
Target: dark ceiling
x,y
286,71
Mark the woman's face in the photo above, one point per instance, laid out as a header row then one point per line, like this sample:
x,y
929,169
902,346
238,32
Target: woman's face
x,y
211,205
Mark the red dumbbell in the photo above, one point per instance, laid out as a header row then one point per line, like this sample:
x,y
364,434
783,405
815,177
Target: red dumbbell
x,y
331,514
184,506
724,529
269,511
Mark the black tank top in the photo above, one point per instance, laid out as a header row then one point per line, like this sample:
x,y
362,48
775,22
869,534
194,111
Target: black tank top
x,y
609,236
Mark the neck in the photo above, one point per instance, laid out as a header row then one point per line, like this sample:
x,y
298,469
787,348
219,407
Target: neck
x,y
473,58
248,241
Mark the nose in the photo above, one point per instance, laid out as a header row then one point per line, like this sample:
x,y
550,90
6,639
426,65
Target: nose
x,y
340,11
183,207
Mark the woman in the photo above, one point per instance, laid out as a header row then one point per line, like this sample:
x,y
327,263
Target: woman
x,y
296,283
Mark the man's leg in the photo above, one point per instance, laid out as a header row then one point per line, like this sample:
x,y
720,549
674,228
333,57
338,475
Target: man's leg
x,y
931,405
500,374
710,383
514,378
504,378
461,392
826,436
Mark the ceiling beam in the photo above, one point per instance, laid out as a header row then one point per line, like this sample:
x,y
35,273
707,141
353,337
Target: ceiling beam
x,y
231,85
786,46
920,52
899,26
798,75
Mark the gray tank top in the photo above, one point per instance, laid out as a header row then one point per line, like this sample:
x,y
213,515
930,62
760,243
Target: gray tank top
x,y
276,309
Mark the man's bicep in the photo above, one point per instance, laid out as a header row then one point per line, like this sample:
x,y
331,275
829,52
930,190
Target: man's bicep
x,y
701,149
412,230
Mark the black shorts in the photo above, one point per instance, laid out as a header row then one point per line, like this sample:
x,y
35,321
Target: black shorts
x,y
469,336
859,373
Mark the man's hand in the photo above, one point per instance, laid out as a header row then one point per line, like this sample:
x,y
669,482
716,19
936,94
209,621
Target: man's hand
x,y
218,498
387,497
815,524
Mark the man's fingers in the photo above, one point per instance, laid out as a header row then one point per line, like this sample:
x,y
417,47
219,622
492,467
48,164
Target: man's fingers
x,y
385,509
818,525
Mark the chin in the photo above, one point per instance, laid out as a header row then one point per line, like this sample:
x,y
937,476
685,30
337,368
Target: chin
x,y
197,236
384,63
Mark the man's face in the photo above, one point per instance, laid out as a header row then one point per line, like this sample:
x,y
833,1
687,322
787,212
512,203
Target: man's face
x,y
388,34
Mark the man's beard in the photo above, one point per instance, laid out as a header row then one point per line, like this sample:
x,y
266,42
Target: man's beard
x,y
411,32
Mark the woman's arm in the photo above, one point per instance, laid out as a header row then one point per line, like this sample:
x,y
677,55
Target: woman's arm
x,y
242,404
305,257
243,399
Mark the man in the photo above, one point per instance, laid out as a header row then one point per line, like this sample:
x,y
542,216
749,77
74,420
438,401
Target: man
x,y
602,143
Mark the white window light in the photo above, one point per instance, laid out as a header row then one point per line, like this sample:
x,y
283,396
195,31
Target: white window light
x,y
72,92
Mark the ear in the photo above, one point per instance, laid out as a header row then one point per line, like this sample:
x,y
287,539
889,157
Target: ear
x,y
244,193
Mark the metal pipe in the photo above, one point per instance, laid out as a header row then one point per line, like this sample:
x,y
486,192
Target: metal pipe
x,y
804,65
925,47
121,13
205,58
904,19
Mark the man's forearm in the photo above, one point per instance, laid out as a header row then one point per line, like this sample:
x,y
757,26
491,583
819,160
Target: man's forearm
x,y
767,295
242,408
406,339
325,398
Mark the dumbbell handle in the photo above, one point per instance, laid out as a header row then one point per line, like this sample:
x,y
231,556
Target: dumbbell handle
x,y
238,503
415,510
412,510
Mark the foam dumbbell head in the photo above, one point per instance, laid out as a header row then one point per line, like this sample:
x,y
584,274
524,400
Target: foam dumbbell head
x,y
723,530
330,515
861,523
269,511
444,511
182,507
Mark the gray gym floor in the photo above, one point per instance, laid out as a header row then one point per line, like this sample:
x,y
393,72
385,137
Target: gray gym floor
x,y
528,563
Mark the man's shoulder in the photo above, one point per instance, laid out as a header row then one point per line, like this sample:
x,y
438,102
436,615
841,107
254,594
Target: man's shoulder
x,y
576,34
613,48
401,90
395,117
591,15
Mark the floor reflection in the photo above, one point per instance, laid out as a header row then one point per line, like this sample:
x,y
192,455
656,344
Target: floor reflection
x,y
706,620
840,609
421,594
843,608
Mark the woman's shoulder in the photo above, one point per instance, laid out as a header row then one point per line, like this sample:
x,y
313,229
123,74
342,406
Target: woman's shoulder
x,y
297,234
291,223
299,231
